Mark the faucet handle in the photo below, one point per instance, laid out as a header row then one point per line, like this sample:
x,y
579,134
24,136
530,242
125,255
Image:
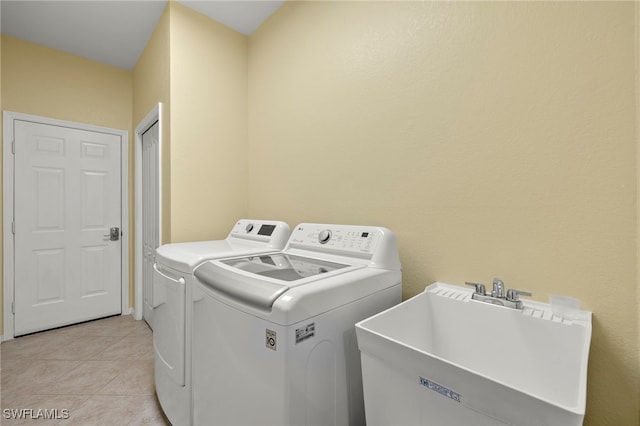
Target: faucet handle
x,y
514,295
480,288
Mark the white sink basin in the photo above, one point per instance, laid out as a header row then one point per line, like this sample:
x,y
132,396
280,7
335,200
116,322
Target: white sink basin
x,y
443,358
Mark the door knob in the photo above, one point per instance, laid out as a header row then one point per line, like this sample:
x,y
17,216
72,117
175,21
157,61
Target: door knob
x,y
114,234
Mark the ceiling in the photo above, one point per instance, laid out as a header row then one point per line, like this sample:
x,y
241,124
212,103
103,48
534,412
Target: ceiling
x,y
115,32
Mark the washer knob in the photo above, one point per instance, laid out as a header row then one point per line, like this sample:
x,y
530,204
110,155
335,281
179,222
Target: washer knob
x,y
249,228
324,236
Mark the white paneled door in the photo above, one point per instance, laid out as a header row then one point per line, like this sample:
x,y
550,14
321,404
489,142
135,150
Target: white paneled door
x,y
150,217
67,226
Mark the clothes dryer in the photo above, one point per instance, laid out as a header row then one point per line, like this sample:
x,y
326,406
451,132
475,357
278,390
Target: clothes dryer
x,y
274,339
172,285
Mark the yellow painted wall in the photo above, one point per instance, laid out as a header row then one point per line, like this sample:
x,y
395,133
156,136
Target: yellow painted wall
x,y
494,138
637,56
51,83
46,82
208,126
198,69
152,84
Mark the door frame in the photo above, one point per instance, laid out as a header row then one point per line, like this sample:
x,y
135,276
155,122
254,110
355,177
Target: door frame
x,y
8,255
154,115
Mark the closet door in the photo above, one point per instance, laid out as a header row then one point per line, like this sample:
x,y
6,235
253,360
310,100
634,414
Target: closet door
x,y
150,215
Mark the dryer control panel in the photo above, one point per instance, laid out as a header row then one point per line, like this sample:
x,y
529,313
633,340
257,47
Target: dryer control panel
x,y
273,233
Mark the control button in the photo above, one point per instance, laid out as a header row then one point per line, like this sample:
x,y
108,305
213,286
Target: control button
x,y
324,236
249,228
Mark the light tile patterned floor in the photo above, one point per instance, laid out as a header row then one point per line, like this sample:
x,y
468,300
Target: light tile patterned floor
x,y
101,372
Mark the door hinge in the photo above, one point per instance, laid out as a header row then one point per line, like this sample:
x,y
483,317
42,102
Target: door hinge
x,y
13,227
13,147
13,308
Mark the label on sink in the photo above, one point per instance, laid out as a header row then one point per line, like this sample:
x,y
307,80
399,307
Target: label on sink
x,y
444,391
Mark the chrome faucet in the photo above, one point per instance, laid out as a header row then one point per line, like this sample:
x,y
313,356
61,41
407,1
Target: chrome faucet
x,y
498,288
497,296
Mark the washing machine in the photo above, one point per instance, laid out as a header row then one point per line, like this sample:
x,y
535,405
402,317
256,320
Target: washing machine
x,y
172,285
274,339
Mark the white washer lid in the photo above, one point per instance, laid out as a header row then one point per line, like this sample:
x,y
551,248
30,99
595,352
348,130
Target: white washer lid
x,y
257,293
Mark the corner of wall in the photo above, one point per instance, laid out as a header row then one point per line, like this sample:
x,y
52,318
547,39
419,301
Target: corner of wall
x,y
208,86
637,122
151,84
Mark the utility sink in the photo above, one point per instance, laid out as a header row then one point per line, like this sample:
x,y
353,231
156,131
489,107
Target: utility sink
x,y
442,358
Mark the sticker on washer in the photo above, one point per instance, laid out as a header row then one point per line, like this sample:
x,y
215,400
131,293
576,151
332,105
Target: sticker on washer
x,y
306,332
270,341
440,389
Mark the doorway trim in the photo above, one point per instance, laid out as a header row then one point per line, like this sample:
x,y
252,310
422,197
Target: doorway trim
x,y
8,273
154,115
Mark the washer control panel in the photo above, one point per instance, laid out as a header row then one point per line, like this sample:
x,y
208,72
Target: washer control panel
x,y
324,236
342,238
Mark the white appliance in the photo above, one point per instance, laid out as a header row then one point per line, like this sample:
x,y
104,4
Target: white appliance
x,y
274,339
172,281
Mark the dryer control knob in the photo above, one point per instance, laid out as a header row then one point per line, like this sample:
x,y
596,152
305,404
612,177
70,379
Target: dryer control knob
x,y
324,236
249,228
